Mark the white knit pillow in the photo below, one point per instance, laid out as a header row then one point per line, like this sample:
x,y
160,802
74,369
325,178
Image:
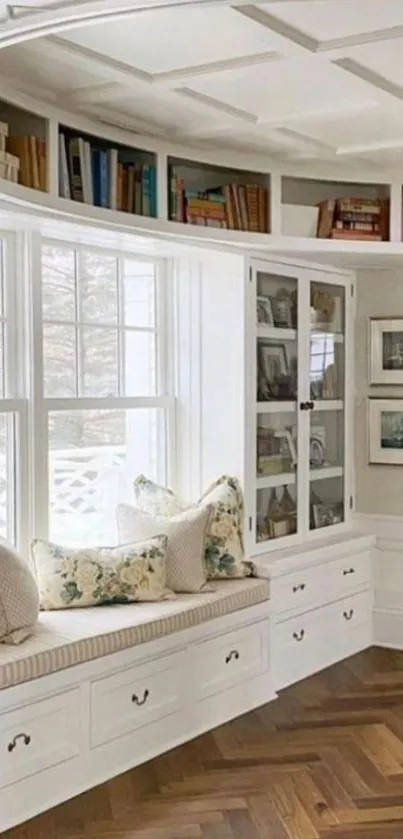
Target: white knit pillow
x,y
186,532
19,598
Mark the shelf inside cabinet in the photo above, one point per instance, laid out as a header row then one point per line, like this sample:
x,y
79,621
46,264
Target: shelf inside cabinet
x,y
269,481
275,407
276,333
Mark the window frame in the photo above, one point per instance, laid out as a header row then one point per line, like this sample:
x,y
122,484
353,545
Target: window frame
x,y
43,405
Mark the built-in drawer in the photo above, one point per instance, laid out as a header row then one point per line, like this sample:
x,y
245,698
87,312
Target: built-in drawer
x,y
320,584
227,659
39,735
305,644
135,697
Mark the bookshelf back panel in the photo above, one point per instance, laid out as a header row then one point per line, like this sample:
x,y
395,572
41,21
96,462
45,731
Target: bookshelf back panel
x,y
309,192
22,123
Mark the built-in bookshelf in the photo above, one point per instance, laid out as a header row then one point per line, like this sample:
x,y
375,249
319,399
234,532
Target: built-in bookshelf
x,y
104,174
335,210
209,196
23,147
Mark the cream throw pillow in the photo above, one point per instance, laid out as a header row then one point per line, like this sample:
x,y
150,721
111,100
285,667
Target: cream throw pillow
x,y
19,598
224,552
69,577
186,532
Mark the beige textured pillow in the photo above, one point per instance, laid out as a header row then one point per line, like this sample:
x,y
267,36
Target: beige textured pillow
x,y
19,598
186,532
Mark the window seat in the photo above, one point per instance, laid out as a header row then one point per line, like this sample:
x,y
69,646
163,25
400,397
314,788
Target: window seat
x,y
66,638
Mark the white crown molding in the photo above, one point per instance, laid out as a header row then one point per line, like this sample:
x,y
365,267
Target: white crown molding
x,y
291,34
347,42
217,104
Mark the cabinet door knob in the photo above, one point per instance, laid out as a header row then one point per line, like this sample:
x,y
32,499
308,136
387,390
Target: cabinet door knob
x,y
310,406
13,743
348,571
232,654
298,636
299,587
348,615
303,406
138,701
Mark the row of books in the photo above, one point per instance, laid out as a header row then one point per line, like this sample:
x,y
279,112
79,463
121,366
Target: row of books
x,y
101,178
22,159
353,219
232,207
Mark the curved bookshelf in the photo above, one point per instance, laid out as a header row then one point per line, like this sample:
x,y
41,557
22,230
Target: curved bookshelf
x,y
222,191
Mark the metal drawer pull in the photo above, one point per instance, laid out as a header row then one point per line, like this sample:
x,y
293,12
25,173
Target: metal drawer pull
x,y
348,615
142,701
348,571
25,737
233,654
298,636
300,587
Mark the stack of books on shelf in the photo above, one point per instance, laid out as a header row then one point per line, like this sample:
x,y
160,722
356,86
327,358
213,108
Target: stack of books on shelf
x,y
31,154
353,219
9,164
104,177
232,207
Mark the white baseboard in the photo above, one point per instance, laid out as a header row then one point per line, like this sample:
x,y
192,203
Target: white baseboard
x,y
388,577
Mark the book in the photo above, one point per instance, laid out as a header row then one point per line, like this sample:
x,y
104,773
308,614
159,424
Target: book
x,y
64,182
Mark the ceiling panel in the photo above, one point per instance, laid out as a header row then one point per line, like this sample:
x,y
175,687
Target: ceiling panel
x,y
170,111
338,18
352,128
170,39
285,87
384,58
33,65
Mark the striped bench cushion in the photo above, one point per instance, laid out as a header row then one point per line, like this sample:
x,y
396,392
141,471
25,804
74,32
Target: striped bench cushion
x,y
63,639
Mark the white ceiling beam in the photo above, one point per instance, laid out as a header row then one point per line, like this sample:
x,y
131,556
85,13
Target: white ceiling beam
x,y
360,39
367,148
106,66
297,41
172,77
217,105
388,91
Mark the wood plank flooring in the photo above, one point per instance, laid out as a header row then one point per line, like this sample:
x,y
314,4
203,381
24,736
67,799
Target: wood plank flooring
x,y
325,761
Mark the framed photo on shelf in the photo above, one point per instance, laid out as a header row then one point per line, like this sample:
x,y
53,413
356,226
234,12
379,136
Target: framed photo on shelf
x,y
386,351
324,515
264,311
273,374
385,431
283,306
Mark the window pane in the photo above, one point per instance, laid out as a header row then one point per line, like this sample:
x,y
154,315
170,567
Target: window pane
x,y
7,477
94,457
58,284
59,360
99,360
98,285
2,274
139,364
138,293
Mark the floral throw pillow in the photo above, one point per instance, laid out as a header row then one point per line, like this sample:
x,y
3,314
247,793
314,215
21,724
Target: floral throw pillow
x,y
156,500
71,577
224,551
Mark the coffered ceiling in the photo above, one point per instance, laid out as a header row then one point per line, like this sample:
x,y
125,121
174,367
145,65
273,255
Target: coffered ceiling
x,y
296,79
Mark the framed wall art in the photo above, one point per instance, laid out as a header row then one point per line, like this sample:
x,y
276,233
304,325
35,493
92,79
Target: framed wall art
x,y
385,423
386,351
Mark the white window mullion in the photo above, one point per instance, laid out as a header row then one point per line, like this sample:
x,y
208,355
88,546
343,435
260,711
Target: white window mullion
x,y
38,420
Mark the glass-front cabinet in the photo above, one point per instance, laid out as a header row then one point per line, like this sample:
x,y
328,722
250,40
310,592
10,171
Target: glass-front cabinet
x,y
298,339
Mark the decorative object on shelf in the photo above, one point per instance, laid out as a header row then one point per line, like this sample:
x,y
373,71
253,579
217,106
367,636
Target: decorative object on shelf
x,y
362,219
264,311
95,172
275,380
283,305
386,351
276,453
30,151
325,515
317,447
325,311
329,384
281,517
385,430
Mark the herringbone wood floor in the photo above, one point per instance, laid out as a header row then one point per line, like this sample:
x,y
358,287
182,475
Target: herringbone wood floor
x,y
325,760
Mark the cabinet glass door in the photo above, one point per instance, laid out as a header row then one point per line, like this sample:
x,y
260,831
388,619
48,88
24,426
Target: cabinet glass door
x,y
276,429
327,405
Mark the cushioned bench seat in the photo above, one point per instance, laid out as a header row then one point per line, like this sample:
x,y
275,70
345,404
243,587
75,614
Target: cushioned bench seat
x,y
65,638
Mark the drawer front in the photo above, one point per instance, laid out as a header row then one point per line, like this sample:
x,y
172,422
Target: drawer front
x,y
317,586
351,612
230,658
135,697
39,736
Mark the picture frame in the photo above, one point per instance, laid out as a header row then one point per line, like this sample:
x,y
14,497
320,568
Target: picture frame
x,y
273,373
282,309
326,515
264,311
386,351
385,431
